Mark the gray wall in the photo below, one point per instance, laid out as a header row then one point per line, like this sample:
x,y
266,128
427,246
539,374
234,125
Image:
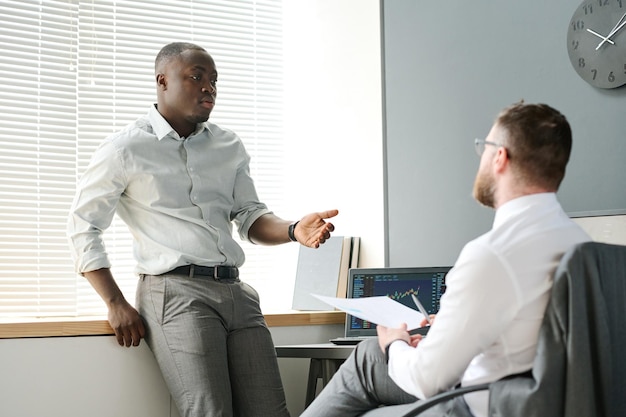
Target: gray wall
x,y
449,68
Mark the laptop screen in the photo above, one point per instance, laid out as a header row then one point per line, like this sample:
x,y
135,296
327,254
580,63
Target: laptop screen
x,y
427,283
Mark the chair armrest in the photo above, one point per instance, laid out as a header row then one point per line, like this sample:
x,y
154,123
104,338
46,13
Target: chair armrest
x,y
444,396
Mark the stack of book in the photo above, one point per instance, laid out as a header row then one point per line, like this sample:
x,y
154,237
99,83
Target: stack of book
x,y
324,271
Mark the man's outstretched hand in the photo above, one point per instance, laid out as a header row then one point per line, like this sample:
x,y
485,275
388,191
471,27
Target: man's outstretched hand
x,y
313,229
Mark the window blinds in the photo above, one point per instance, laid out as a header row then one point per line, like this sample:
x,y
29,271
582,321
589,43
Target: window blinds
x,y
77,71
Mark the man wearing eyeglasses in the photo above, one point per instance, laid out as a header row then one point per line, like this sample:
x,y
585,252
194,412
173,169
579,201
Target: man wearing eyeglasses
x,y
488,323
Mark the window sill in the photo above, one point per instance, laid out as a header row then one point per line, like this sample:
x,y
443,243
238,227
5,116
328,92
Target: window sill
x,y
94,326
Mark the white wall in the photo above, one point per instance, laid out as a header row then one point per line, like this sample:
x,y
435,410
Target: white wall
x,y
93,376
79,376
605,228
334,107
333,127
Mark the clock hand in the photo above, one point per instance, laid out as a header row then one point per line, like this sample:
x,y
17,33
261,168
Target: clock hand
x,y
620,24
600,36
613,32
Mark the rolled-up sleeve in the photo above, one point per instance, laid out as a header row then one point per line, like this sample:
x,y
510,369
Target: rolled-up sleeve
x,y
246,208
93,208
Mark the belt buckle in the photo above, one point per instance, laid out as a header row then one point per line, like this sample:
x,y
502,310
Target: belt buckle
x,y
230,273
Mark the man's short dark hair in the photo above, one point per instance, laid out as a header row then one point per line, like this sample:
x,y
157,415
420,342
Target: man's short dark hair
x,y
173,50
539,142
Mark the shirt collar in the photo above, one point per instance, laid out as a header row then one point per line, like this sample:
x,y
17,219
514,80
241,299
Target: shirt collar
x,y
163,129
514,207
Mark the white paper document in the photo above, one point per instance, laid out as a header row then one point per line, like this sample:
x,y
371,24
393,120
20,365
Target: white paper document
x,y
379,310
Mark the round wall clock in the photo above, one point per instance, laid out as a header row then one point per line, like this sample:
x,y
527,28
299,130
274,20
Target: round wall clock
x,y
596,42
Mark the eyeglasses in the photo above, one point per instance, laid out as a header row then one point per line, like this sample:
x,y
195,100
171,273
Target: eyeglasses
x,y
479,145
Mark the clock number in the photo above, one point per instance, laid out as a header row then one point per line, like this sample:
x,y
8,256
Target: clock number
x,y
578,25
581,62
620,3
575,45
588,8
595,72
611,77
624,68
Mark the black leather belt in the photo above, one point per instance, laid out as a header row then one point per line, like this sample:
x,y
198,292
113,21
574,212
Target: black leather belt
x,y
216,272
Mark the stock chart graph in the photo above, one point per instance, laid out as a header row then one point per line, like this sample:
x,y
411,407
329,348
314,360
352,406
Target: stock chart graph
x,y
399,288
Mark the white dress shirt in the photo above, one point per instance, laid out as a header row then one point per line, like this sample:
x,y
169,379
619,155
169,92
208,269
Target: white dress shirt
x,y
490,314
179,197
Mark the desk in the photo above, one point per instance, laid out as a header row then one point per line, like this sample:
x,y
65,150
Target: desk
x,y
326,358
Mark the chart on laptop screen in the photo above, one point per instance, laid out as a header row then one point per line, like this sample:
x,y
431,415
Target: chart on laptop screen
x,y
428,284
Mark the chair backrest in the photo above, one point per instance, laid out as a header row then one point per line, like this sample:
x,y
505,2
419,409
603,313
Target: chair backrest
x,y
579,368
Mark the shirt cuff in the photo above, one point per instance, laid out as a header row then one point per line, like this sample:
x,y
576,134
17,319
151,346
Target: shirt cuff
x,y
389,347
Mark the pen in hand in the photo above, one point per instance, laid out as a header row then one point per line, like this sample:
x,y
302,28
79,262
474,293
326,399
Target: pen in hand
x,y
421,308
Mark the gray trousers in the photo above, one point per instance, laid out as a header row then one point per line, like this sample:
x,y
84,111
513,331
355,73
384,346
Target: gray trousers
x,y
362,387
213,347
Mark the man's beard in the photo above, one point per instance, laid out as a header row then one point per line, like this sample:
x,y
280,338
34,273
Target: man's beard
x,y
484,189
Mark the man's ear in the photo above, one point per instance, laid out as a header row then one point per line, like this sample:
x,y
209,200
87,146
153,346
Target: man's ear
x,y
501,159
161,81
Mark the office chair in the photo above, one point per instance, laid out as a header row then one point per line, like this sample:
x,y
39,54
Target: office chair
x,y
579,368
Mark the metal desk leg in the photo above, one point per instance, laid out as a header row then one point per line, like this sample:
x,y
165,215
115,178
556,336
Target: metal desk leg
x,y
323,369
315,372
329,368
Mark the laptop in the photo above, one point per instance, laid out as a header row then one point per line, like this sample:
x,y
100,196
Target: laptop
x,y
427,283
